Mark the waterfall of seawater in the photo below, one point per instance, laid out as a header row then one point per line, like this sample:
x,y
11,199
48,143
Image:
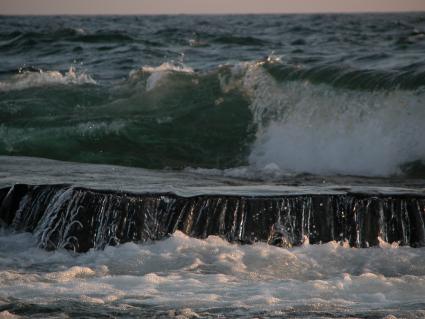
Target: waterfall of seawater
x,y
75,218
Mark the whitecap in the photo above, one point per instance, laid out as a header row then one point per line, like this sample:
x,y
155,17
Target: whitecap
x,y
29,79
158,73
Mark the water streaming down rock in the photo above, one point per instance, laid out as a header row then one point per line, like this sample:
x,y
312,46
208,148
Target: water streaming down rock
x,y
64,216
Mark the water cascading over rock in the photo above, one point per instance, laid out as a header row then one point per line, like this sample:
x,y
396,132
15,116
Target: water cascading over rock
x,y
63,216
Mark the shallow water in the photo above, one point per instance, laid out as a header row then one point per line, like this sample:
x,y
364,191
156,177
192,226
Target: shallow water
x,y
211,278
188,278
191,182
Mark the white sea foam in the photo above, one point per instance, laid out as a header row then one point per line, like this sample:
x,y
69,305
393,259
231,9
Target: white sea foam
x,y
319,129
184,275
7,315
100,128
167,66
27,79
159,73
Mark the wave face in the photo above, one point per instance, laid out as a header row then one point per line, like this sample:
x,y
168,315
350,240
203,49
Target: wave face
x,y
158,95
323,130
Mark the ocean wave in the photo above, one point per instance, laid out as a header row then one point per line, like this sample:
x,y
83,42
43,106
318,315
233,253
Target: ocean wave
x,y
236,116
239,40
22,39
28,79
168,116
346,77
322,129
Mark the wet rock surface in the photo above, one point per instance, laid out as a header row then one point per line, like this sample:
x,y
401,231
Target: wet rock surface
x,y
76,218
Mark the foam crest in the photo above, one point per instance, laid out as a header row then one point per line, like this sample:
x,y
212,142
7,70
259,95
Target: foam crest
x,y
29,79
168,67
158,73
315,128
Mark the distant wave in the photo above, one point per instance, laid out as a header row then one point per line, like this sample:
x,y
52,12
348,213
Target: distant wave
x,y
342,76
231,39
19,39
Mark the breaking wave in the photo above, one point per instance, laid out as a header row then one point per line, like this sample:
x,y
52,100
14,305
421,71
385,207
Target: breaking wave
x,y
259,117
317,128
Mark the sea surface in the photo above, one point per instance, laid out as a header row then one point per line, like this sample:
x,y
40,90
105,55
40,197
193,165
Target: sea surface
x,y
320,94
252,105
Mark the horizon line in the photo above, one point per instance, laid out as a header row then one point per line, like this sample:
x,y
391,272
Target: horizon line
x,y
209,14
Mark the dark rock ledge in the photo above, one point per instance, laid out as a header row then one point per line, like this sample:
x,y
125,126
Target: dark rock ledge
x,y
63,216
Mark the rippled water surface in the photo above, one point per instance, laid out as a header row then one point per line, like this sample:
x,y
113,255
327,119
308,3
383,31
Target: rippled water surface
x,y
321,94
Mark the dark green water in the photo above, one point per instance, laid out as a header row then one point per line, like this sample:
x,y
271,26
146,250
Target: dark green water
x,y
322,94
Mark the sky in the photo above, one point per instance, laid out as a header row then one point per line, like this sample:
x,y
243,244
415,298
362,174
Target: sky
x,y
204,6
